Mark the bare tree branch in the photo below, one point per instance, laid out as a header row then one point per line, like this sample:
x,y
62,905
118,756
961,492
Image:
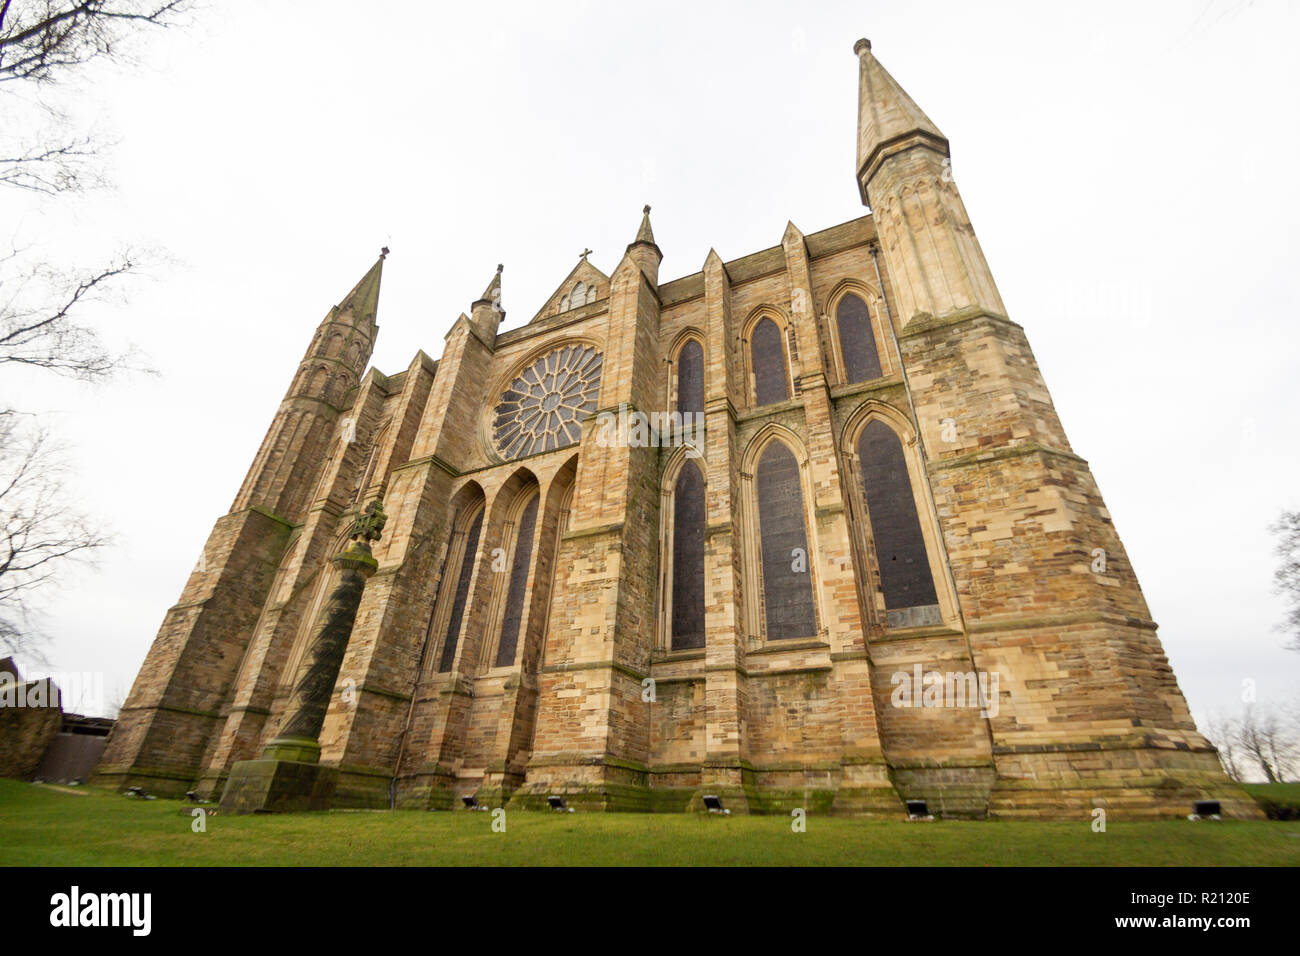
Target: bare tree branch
x,y
39,323
1222,732
51,169
42,39
1267,740
1286,579
39,532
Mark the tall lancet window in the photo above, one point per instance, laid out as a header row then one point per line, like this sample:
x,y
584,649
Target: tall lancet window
x,y
690,378
508,644
688,558
783,542
905,576
461,594
857,343
767,357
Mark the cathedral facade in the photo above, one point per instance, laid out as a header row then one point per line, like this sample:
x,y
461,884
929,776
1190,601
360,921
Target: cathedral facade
x,y
800,529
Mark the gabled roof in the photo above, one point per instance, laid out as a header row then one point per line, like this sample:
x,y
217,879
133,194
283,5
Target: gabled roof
x,y
583,272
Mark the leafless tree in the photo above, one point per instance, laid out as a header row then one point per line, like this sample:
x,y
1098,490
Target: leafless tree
x,y
40,325
1222,732
1286,579
43,308
43,42
1263,737
1263,741
39,531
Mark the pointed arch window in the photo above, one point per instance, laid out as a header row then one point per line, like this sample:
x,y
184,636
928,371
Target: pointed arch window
x,y
788,605
508,641
905,575
690,378
767,358
319,594
857,342
465,572
686,618
376,449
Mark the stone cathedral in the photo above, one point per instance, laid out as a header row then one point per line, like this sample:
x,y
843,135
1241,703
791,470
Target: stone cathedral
x,y
852,559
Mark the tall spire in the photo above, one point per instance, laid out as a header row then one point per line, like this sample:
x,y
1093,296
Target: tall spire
x,y
363,300
889,121
930,249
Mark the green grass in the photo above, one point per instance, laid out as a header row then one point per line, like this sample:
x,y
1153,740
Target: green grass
x,y
42,826
1281,801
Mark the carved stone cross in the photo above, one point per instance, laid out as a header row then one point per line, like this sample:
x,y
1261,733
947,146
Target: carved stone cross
x,y
370,523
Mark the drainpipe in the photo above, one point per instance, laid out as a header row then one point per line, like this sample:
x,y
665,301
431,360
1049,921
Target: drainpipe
x,y
419,671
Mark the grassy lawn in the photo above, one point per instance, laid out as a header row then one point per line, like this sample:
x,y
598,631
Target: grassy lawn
x,y
42,825
1281,801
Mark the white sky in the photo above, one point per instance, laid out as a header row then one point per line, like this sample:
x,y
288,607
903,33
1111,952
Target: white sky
x,y
1129,168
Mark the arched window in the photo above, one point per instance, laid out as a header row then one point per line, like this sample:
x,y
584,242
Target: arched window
x,y
905,576
687,620
311,611
376,449
690,378
771,383
857,343
463,558
579,296
783,544
508,643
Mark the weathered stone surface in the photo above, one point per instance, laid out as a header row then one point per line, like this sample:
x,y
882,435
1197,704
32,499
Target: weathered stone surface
x,y
30,717
420,705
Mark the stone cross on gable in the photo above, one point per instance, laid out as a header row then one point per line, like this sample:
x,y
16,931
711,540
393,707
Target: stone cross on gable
x,y
585,253
370,523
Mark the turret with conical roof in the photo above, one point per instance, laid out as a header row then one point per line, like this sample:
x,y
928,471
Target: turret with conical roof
x,y
889,121
172,711
343,341
643,250
905,176
296,444
486,312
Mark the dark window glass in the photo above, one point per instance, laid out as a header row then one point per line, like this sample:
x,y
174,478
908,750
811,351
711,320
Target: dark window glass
x,y
787,579
857,343
900,548
690,378
462,594
770,379
518,584
688,558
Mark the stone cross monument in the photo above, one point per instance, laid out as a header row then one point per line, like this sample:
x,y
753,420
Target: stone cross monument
x,y
288,775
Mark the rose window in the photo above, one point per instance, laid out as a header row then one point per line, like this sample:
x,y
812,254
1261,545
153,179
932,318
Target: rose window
x,y
543,407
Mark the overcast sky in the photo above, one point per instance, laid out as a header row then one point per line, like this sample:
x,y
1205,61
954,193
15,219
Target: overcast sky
x,y
1130,170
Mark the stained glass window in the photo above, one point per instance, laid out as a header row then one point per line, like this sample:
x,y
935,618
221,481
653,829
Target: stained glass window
x,y
543,407
461,595
857,343
688,558
768,358
690,378
514,613
787,574
905,575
